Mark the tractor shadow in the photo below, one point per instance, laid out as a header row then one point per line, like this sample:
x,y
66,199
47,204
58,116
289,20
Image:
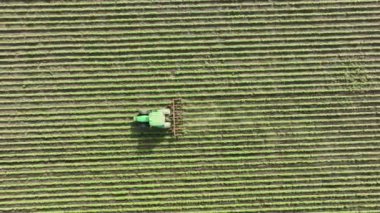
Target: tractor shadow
x,y
148,138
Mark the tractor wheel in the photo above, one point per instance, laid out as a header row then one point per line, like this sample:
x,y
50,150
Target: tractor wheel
x,y
143,126
143,112
166,111
167,125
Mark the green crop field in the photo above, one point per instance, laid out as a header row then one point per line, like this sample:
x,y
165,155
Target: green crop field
x,y
281,105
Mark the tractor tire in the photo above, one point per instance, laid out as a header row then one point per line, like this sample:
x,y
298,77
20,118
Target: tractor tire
x,y
167,125
143,126
143,112
166,111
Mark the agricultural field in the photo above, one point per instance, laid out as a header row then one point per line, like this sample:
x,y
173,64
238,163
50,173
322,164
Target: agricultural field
x,y
280,98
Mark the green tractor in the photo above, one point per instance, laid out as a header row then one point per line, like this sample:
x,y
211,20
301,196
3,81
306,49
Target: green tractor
x,y
169,118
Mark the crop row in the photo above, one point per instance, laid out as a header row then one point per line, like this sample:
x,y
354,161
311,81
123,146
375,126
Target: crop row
x,y
177,17
237,208
285,130
284,24
312,112
226,76
87,101
188,16
141,40
283,192
279,193
186,70
158,64
317,141
198,204
128,175
34,165
217,192
77,155
177,20
206,90
236,40
151,189
138,72
347,101
112,155
176,3
326,173
195,52
240,208
224,172
199,82
299,30
173,45
237,143
248,199
111,8
170,187
165,51
287,198
228,177
97,143
120,102
197,62
123,6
